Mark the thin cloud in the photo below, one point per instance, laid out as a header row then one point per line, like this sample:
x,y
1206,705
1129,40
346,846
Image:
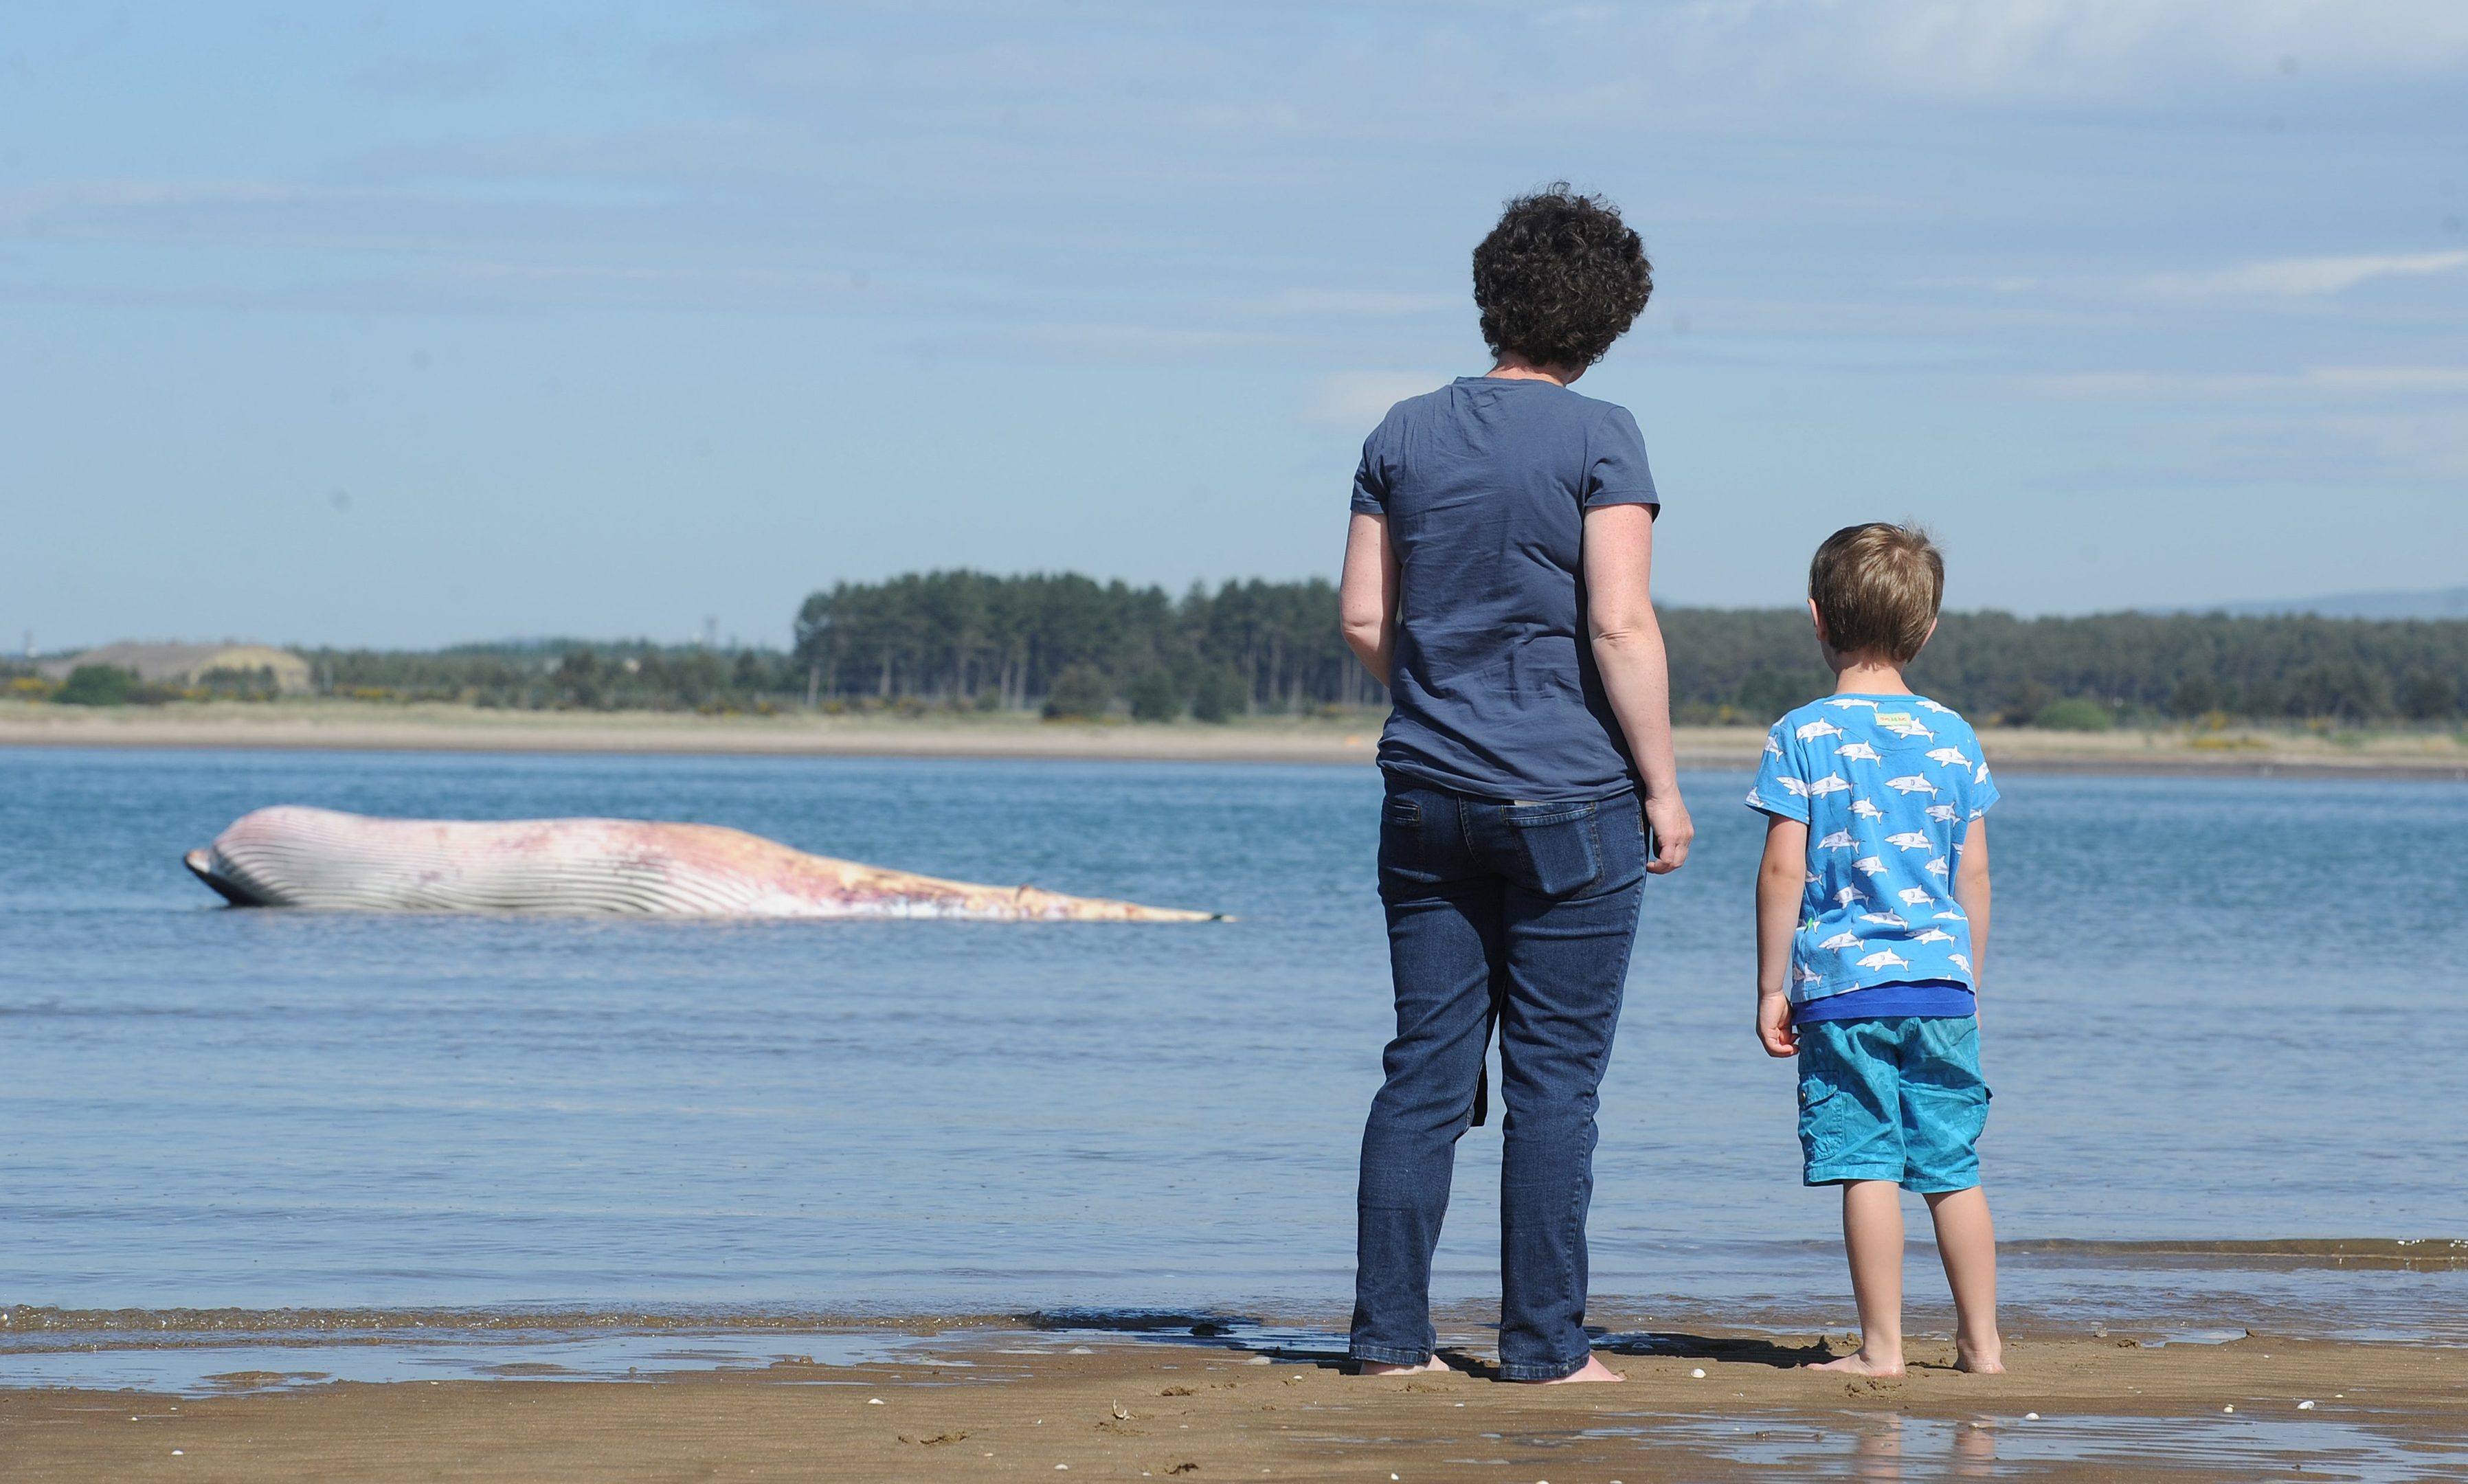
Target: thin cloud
x,y
2351,381
2433,443
1359,398
1314,301
2300,278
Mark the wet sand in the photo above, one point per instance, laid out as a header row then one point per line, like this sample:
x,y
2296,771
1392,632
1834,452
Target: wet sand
x,y
2104,1409
370,726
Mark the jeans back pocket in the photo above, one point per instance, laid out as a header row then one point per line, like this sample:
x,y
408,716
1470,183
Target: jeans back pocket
x,y
1560,843
1401,838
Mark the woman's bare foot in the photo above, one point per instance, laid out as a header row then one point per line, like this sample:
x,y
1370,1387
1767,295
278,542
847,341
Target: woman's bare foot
x,y
1981,1359
1593,1370
1858,1363
1384,1368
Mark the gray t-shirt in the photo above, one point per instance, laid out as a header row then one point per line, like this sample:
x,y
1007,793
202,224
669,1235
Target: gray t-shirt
x,y
1485,483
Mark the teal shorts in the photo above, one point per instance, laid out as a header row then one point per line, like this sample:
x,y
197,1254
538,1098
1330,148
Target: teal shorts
x,y
1897,1098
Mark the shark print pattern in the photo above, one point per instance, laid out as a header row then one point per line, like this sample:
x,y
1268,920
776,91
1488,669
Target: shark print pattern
x,y
1887,786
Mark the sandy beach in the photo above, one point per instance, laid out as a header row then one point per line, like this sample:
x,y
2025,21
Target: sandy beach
x,y
367,726
1712,1407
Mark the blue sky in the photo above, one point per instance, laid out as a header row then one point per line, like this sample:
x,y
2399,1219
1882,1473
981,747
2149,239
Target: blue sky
x,y
405,324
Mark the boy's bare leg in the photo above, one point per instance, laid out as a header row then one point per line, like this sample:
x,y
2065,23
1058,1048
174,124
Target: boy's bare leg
x,y
1872,1234
1966,1238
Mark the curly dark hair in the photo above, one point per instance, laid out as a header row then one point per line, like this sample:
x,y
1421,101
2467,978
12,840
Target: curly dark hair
x,y
1559,278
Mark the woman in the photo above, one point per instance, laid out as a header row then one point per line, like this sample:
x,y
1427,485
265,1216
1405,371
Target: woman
x,y
1497,582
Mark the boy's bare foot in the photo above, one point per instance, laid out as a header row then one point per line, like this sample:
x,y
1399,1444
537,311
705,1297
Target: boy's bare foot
x,y
1859,1363
1987,1360
1384,1368
1593,1370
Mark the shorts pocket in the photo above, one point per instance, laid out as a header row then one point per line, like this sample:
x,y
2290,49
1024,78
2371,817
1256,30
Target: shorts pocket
x,y
1560,845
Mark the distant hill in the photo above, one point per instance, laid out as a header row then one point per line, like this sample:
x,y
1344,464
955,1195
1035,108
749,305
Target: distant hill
x,y
2449,602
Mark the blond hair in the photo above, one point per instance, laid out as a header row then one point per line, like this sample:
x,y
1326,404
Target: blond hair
x,y
1878,588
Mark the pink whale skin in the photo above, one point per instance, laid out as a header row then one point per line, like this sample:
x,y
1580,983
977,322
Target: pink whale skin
x,y
294,857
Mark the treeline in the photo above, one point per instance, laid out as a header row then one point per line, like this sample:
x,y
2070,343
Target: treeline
x,y
1067,646
1752,665
1074,646
563,674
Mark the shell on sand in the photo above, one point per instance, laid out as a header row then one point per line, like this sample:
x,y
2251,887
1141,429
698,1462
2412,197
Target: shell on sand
x,y
292,857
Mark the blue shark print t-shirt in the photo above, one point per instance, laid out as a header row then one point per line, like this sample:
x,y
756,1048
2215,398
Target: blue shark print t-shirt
x,y
1889,787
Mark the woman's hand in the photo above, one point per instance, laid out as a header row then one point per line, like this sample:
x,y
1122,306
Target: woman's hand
x,y
1672,831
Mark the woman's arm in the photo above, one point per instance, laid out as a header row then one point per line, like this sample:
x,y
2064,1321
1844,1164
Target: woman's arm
x,y
1366,595
1627,651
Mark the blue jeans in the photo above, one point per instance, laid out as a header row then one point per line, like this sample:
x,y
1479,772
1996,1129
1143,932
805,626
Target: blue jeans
x,y
1531,908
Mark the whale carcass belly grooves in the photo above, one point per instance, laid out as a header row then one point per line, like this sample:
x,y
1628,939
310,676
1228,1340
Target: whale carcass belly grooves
x,y
294,857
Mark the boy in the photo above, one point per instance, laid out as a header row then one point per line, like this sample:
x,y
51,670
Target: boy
x,y
1872,921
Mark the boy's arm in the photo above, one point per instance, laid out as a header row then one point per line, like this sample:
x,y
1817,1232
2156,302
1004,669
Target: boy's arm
x,y
1782,882
1366,594
1971,894
1619,560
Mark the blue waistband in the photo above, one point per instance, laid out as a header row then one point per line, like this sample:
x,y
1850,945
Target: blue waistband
x,y
1876,1002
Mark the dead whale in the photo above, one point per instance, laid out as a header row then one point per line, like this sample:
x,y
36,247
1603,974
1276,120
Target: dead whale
x,y
294,857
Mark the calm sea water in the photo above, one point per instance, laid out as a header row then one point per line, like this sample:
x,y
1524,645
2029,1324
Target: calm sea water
x,y
2217,1009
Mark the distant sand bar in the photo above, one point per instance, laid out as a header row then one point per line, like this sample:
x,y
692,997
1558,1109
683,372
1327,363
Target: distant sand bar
x,y
378,726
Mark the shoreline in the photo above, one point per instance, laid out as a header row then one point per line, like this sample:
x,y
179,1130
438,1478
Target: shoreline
x,y
1705,1406
378,727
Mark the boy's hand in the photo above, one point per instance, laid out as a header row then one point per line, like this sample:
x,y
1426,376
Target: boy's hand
x,y
1774,1030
